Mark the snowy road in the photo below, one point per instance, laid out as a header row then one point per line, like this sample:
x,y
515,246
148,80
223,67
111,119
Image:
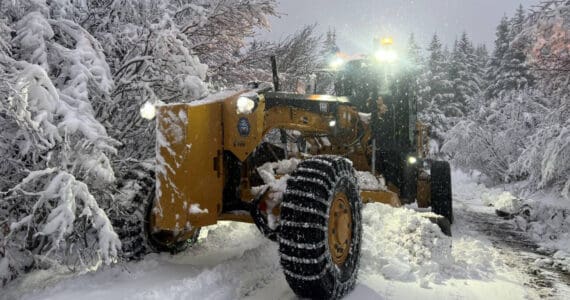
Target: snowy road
x,y
403,257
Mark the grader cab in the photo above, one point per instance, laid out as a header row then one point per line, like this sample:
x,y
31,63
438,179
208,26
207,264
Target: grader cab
x,y
297,166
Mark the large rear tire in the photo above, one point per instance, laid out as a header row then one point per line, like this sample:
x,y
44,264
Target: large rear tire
x,y
441,196
321,228
137,196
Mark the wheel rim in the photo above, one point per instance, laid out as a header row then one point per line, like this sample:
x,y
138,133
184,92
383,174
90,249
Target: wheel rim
x,y
340,228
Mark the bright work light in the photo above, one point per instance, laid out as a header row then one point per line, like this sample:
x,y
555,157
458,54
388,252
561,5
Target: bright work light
x,y
412,160
336,63
148,111
387,41
245,105
388,56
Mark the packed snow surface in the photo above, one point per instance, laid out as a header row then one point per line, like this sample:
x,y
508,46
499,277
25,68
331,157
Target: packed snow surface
x,y
367,181
404,256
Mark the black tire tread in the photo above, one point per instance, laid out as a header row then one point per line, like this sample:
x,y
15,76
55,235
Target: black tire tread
x,y
441,194
131,225
304,250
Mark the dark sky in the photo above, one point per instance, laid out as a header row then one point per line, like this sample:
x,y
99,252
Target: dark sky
x,y
358,21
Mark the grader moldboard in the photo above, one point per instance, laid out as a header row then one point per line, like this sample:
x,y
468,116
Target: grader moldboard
x,y
209,154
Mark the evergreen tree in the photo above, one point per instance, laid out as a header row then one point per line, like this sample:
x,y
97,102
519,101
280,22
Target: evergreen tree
x,y
517,74
414,53
522,132
465,74
440,86
496,61
508,68
436,92
482,55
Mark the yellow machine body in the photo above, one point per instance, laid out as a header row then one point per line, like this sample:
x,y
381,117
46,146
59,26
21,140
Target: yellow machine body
x,y
192,139
189,169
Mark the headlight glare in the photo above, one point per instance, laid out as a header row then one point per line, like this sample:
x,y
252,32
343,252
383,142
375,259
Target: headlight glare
x,y
388,56
245,105
148,111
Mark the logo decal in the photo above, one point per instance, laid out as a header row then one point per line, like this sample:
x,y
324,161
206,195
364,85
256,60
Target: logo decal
x,y
243,127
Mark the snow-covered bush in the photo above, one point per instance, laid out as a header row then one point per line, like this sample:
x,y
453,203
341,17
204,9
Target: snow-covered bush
x,y
73,75
54,154
520,132
163,52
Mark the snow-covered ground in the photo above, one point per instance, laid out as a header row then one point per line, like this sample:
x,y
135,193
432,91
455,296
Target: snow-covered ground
x,y
404,256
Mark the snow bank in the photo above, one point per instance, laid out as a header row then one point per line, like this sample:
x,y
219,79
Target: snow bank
x,y
505,202
547,222
402,245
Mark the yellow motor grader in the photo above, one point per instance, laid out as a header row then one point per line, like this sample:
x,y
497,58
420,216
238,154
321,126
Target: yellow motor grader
x,y
299,167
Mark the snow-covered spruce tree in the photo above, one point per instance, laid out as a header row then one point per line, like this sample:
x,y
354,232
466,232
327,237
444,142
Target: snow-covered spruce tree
x,y
436,93
466,75
498,58
521,133
54,163
414,56
482,56
490,138
509,68
516,73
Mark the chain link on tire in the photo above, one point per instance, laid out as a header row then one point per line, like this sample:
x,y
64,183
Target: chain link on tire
x,y
137,190
311,267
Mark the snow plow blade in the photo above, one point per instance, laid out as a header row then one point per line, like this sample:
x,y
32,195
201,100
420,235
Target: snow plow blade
x,y
189,168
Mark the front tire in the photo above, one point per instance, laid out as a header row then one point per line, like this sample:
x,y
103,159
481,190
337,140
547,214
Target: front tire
x,y
321,228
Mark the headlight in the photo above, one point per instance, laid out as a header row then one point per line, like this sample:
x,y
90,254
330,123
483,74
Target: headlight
x,y
336,63
245,105
332,123
389,56
148,111
412,160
